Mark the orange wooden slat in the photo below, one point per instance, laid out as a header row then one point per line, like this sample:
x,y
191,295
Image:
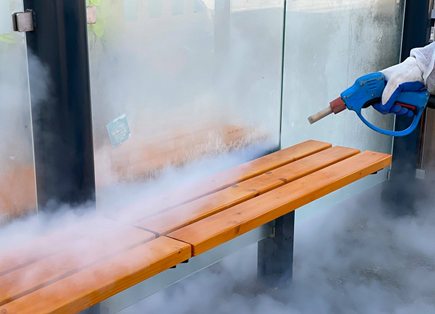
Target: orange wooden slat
x,y
17,192
213,203
214,183
224,226
75,257
97,283
44,246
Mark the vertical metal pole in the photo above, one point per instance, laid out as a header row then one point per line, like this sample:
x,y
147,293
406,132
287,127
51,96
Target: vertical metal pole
x,y
282,72
403,189
275,254
62,121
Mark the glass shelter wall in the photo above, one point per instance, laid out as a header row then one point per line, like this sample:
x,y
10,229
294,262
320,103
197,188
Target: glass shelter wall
x,y
17,175
328,45
177,81
174,81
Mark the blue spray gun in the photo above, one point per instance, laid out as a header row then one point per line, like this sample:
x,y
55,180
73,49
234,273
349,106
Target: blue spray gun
x,y
367,91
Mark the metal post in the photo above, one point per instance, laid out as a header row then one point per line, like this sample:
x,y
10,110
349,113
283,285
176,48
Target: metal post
x,y
402,191
275,254
62,119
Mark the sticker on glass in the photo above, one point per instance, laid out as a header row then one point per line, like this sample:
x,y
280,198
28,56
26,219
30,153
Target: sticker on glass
x,y
118,131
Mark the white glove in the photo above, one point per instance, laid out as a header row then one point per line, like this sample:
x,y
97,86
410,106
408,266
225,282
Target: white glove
x,y
425,57
404,77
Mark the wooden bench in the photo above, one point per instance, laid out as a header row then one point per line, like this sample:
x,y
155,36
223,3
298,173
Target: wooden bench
x,y
87,263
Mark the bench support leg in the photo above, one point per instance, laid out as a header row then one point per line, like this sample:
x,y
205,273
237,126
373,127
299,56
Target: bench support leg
x,y
275,254
96,309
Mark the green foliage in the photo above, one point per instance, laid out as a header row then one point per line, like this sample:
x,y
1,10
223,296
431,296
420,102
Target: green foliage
x,y
7,38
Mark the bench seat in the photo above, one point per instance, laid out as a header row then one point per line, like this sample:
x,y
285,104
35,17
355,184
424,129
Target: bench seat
x,y
98,282
235,221
60,273
216,182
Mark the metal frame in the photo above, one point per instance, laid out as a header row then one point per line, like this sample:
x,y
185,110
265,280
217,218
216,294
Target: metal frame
x,y
275,254
62,121
169,277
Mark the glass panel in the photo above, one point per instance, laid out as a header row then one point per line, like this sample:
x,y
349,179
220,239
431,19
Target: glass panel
x,y
17,175
193,79
328,45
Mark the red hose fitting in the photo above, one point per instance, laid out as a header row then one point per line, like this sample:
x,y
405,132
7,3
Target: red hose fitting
x,y
337,105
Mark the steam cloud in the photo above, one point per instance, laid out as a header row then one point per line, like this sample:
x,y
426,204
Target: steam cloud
x,y
17,185
353,258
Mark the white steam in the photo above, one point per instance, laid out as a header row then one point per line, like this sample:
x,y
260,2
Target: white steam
x,y
353,258
119,196
350,259
17,177
192,83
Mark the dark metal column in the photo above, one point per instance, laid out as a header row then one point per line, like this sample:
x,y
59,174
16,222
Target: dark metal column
x,y
62,119
275,254
403,188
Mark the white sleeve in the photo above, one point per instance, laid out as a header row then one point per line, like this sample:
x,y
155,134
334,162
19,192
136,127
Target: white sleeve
x,y
425,57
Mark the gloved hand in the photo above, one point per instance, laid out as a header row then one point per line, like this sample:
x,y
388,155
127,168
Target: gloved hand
x,y
404,77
